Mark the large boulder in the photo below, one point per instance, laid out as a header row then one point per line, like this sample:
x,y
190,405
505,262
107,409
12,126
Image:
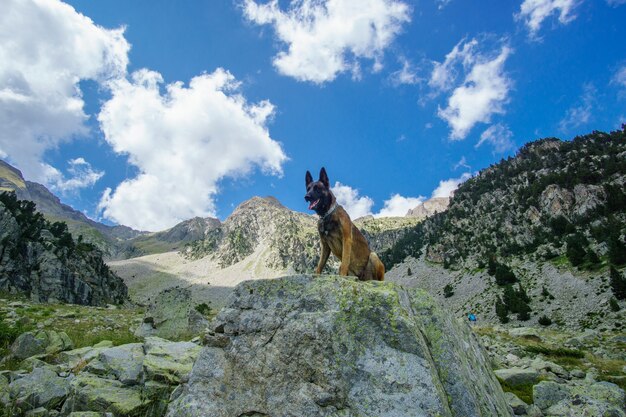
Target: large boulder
x,y
40,342
41,388
329,346
172,316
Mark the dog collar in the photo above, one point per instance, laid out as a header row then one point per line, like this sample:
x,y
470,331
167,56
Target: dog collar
x,y
329,212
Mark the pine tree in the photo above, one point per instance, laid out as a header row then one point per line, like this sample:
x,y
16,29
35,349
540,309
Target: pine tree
x,y
618,284
502,311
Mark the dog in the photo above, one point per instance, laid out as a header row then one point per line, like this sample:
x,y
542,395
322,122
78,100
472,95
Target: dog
x,y
339,235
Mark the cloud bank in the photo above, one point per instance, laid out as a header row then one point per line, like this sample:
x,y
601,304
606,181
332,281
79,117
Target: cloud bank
x,y
327,37
41,104
483,92
535,12
183,142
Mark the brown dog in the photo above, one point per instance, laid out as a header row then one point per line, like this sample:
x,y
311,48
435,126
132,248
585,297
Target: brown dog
x,y
339,235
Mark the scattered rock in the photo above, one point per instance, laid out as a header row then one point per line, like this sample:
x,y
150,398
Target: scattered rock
x,y
173,315
525,332
169,362
124,363
90,393
549,393
41,388
39,342
519,407
517,376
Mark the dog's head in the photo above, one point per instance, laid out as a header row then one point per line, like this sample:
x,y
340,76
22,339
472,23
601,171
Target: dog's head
x,y
318,193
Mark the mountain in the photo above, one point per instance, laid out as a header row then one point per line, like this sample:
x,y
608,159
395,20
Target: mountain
x,y
429,208
260,239
41,259
552,219
287,239
111,240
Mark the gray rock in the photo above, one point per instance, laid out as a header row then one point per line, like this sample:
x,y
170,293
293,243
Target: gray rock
x,y
40,342
124,363
328,346
549,393
577,373
525,332
90,393
173,315
41,388
518,406
37,412
517,376
169,362
539,364
533,411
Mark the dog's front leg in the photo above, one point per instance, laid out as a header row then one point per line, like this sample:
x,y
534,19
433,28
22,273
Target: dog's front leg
x,y
346,250
323,258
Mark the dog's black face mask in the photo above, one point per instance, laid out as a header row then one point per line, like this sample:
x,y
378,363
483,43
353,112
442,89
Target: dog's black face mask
x,y
318,193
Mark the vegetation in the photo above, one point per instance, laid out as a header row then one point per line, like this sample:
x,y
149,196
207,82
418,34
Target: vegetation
x,y
204,309
514,300
508,215
618,283
448,291
545,321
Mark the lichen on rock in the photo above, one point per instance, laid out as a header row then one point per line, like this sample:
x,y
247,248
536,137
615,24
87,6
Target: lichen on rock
x,y
331,346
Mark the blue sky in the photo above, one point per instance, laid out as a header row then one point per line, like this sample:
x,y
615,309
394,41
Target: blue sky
x,y
149,113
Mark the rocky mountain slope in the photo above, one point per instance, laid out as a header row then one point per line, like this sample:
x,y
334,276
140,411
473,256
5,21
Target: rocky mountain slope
x,y
552,219
42,260
289,239
429,208
260,239
111,240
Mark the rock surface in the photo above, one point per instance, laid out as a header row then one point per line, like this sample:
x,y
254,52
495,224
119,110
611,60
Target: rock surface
x,y
331,346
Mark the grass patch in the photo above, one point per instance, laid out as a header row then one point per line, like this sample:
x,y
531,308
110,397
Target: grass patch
x,y
555,351
118,337
524,392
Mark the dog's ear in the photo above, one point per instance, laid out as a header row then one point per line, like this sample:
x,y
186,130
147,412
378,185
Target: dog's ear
x,y
324,178
308,178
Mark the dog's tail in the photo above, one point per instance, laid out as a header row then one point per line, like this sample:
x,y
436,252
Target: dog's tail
x,y
377,266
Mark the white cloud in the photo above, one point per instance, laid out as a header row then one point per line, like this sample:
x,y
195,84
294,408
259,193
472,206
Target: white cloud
x,y
406,75
447,187
46,49
183,142
615,3
328,37
359,206
398,206
445,73
441,4
82,175
349,199
483,92
461,164
534,12
499,137
580,113
620,77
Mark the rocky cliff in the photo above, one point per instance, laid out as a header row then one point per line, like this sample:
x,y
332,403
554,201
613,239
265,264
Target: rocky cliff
x,y
429,208
331,346
42,260
551,219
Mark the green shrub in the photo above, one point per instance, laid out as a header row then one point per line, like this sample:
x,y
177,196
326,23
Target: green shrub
x,y
618,283
545,321
448,291
613,304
